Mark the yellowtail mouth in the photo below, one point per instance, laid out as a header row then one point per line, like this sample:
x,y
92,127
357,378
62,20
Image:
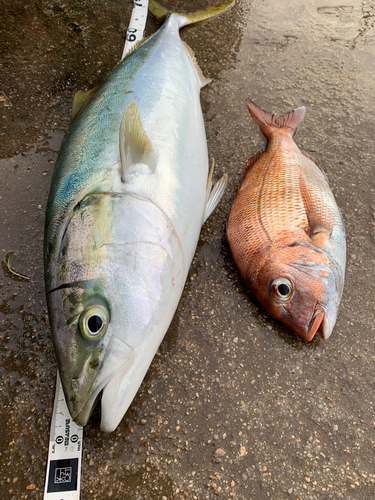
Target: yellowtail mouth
x,y
116,370
115,364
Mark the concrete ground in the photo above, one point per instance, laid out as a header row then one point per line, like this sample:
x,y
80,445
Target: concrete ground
x,y
234,405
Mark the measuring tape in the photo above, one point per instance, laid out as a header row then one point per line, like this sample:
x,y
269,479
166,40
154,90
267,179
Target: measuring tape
x,y
137,25
63,477
65,452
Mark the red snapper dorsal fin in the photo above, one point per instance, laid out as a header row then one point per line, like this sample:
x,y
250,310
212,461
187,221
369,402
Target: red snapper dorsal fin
x,y
268,122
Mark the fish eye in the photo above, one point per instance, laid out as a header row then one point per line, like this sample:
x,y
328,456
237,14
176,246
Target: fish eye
x,y
93,322
282,289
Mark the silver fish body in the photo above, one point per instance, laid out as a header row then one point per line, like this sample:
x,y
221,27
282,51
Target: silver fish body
x,y
127,201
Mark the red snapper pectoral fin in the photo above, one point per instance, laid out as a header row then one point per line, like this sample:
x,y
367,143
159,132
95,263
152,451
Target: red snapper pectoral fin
x,y
320,216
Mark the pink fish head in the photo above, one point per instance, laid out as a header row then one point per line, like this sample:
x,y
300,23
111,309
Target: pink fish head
x,y
300,286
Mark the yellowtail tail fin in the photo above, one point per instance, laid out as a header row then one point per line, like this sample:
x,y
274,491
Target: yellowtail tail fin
x,y
160,13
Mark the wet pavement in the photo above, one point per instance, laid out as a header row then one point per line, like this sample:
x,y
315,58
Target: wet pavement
x,y
234,405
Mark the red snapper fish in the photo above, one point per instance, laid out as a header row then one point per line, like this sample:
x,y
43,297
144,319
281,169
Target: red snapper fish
x,y
286,232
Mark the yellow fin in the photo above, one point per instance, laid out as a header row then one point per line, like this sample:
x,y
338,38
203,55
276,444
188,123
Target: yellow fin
x,y
160,13
157,10
213,196
135,145
209,178
135,46
203,80
80,100
208,12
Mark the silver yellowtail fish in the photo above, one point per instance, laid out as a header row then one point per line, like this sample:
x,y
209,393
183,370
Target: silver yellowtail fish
x,y
129,194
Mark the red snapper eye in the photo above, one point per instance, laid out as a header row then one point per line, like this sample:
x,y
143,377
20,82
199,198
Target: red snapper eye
x,y
282,289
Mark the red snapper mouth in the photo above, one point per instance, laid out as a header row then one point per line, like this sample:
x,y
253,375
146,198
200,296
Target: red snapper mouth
x,y
315,322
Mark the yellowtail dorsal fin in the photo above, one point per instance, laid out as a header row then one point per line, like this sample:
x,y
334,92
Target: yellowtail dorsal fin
x,y
203,80
135,46
80,101
135,145
161,13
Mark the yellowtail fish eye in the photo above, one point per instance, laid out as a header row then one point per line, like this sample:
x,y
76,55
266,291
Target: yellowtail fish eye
x,y
282,289
93,322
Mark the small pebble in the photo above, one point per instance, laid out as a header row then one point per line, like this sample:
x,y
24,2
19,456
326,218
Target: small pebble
x,y
219,452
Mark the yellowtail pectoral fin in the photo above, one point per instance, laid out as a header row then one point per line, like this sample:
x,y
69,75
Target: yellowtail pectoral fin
x,y
160,13
213,196
80,101
135,145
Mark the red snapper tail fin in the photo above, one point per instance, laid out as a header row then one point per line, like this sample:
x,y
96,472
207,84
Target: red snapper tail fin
x,y
268,123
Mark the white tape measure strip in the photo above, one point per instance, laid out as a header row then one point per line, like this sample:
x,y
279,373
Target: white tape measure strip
x,y
63,475
137,25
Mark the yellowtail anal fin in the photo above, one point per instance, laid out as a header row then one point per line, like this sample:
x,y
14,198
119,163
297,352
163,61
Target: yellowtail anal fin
x,y
160,13
213,196
135,145
203,80
80,101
